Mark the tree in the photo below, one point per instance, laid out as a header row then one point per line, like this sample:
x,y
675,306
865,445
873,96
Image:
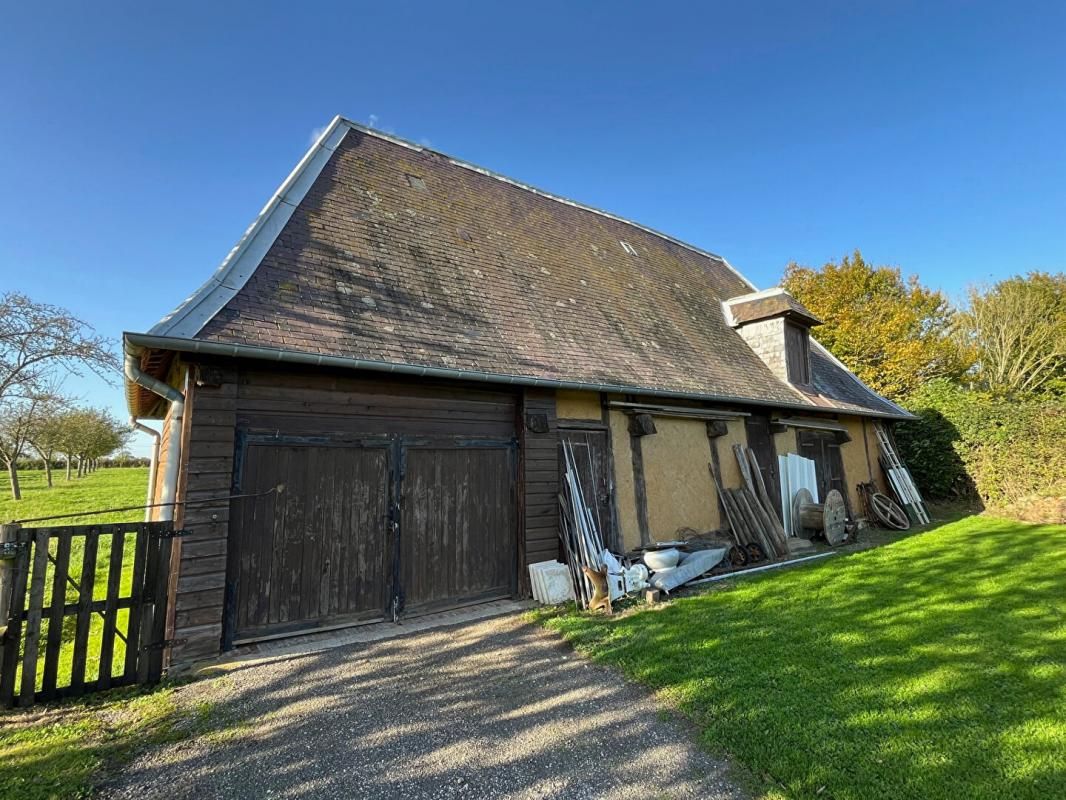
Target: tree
x,y
37,340
1016,332
17,421
87,435
46,433
895,334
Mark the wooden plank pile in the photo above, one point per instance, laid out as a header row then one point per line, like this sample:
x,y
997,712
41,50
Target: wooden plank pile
x,y
749,511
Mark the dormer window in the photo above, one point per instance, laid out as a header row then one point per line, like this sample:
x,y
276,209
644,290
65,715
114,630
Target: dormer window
x,y
776,327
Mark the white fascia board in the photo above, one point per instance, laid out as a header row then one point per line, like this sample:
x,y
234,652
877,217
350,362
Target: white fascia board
x,y
189,318
773,291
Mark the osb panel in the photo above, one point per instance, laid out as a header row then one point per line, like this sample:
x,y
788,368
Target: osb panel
x,y
679,486
577,405
625,497
856,467
736,434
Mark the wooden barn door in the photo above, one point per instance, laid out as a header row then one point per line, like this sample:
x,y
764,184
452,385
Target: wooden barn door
x,y
593,455
457,523
310,544
824,449
761,441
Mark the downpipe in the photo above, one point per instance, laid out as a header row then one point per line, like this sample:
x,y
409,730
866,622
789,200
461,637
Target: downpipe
x,y
153,463
177,408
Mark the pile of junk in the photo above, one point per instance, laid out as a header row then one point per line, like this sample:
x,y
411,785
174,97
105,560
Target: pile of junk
x,y
759,537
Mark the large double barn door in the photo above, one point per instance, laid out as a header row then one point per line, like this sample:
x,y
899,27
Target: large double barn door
x,y
328,532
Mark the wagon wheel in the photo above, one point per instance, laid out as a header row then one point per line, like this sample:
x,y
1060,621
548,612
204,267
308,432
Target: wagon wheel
x,y
888,512
738,557
755,552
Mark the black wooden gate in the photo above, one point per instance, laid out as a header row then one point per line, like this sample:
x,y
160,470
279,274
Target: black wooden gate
x,y
85,608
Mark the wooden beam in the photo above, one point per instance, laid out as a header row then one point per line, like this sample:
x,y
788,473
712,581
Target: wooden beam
x,y
639,490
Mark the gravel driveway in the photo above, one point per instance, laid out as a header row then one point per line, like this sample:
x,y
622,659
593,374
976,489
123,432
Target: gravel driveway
x,y
496,708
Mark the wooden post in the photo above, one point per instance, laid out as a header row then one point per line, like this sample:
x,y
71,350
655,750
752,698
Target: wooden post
x,y
13,594
8,535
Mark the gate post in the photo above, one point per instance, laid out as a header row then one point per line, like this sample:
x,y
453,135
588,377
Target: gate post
x,y
8,538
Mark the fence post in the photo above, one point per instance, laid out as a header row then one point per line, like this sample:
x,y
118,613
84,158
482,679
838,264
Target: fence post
x,y
15,571
8,536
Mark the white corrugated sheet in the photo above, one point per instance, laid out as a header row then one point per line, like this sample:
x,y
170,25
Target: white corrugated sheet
x,y
796,473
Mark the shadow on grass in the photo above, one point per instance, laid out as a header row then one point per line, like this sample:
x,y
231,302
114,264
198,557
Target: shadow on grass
x,y
932,668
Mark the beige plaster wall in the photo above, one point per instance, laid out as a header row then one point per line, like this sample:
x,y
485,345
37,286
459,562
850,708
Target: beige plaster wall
x,y
736,434
678,484
857,468
785,442
577,405
624,495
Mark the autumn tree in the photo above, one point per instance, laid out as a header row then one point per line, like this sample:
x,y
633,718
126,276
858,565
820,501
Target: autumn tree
x,y
1016,332
894,333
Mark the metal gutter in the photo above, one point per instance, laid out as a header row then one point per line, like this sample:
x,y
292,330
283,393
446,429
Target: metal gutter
x,y
153,465
206,347
177,409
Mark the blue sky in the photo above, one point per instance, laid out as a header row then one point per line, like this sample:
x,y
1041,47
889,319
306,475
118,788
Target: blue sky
x,y
138,141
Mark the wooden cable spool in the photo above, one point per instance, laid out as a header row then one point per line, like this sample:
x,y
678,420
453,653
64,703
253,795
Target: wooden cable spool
x,y
828,517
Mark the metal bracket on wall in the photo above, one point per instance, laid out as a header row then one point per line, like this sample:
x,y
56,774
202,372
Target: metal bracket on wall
x,y
169,534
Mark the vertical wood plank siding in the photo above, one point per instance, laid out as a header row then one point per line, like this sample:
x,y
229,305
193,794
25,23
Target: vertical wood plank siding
x,y
208,473
233,397
540,472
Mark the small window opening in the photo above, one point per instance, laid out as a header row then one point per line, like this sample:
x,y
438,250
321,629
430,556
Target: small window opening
x,y
416,182
628,248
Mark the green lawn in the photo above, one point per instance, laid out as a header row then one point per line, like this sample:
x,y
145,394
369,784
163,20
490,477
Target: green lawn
x,y
106,488
934,667
61,752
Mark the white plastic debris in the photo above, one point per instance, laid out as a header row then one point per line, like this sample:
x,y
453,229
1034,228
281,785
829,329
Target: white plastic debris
x,y
551,582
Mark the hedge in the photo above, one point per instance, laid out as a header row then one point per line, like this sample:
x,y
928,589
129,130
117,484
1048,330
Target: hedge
x,y
1002,451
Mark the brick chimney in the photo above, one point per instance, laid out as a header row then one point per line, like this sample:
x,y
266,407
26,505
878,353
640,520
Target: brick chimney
x,y
777,327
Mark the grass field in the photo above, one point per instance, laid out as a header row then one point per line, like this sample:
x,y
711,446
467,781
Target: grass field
x,y
106,488
934,667
59,751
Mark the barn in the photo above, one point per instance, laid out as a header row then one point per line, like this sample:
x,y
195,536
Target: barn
x,y
363,407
